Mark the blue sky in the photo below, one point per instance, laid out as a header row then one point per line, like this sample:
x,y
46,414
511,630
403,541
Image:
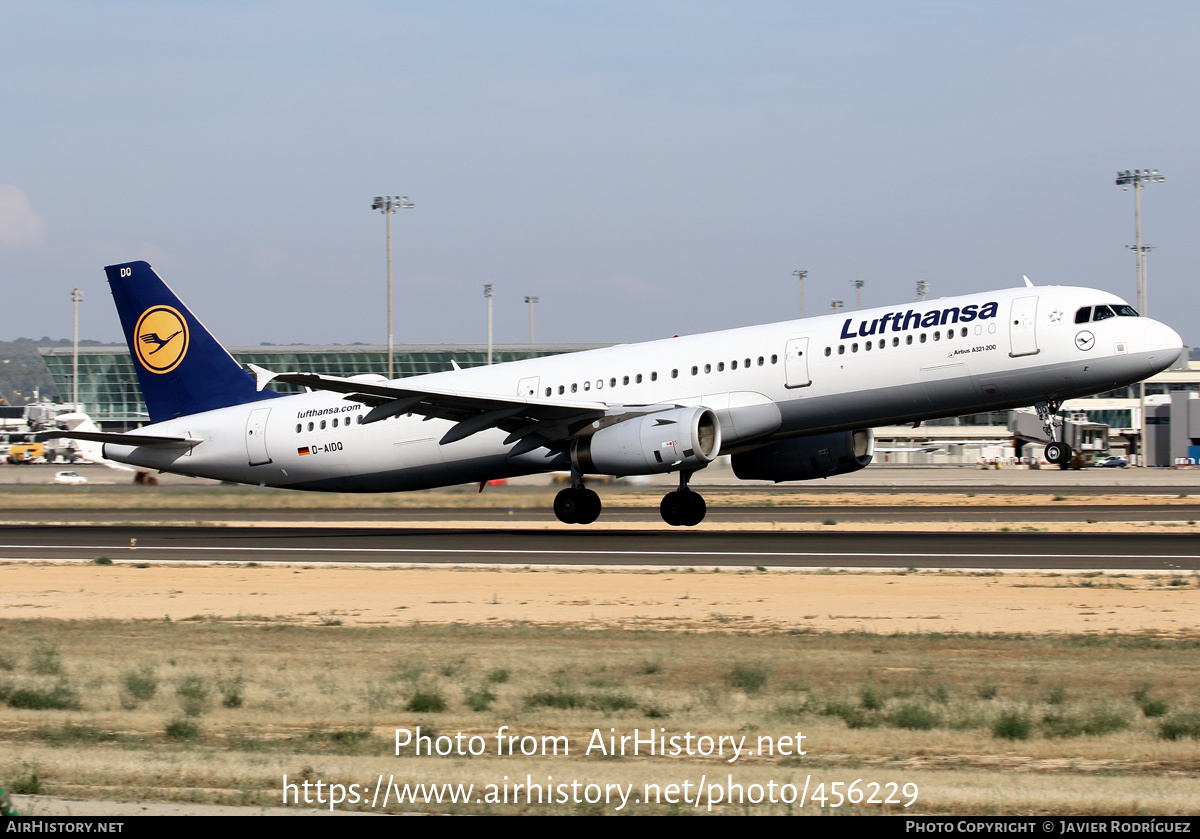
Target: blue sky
x,y
646,169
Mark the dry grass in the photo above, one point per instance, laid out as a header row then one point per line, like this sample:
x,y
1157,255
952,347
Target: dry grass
x,y
322,702
25,497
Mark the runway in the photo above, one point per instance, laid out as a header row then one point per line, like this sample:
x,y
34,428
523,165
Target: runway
x,y
1144,552
716,514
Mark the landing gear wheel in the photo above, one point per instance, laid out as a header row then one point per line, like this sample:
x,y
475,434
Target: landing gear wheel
x,y
671,508
566,506
576,505
683,508
1059,453
696,509
589,509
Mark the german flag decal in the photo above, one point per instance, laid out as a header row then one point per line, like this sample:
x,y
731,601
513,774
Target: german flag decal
x,y
303,450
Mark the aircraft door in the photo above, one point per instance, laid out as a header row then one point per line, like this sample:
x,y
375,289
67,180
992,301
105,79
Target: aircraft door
x,y
528,387
1022,327
795,363
256,437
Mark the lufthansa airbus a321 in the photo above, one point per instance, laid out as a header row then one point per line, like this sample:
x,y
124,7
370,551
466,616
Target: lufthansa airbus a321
x,y
788,401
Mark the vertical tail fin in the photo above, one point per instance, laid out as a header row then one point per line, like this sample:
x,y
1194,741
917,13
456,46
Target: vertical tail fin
x,y
180,366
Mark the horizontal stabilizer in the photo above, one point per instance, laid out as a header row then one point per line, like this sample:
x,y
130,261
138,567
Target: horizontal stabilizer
x,y
121,439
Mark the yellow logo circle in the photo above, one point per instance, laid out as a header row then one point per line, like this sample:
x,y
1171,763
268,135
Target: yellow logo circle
x,y
160,339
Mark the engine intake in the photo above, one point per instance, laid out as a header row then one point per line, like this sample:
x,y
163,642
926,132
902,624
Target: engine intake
x,y
685,438
805,458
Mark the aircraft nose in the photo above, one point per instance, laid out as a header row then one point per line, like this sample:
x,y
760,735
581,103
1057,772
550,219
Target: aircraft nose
x,y
1162,345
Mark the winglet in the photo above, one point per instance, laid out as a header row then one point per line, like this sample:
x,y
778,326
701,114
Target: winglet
x,y
262,376
455,364
1028,282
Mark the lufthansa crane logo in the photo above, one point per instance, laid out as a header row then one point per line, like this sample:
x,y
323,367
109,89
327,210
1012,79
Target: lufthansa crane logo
x,y
161,339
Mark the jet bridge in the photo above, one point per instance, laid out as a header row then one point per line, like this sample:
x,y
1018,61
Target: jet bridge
x,y
1089,440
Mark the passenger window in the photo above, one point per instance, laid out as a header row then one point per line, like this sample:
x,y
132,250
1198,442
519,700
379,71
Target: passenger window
x,y
937,336
548,391
868,346
638,379
310,426
760,361
561,389
695,370
854,348
896,342
964,332
747,362
574,387
841,349
654,376
599,384
1083,315
322,425
908,339
612,382
733,364
922,337
675,373
624,380
774,359
707,368
720,366
299,428
1102,313
828,352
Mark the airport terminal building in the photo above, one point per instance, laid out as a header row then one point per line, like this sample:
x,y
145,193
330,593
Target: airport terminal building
x,y
109,393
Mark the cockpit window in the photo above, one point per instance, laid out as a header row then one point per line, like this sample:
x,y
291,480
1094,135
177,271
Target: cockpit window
x,y
1103,313
1126,311
1083,315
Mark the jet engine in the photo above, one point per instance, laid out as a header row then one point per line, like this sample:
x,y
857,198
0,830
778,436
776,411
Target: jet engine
x,y
685,438
805,458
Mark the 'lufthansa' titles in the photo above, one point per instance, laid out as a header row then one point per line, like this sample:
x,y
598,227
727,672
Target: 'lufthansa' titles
x,y
904,321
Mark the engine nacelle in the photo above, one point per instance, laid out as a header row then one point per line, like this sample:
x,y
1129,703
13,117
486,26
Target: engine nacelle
x,y
805,458
685,438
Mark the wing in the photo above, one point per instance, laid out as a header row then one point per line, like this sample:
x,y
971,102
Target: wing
x,y
531,423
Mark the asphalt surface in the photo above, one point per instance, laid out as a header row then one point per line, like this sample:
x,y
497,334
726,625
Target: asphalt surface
x,y
1079,552
817,513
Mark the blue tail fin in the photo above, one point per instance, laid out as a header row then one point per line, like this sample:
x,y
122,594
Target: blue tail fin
x,y
180,366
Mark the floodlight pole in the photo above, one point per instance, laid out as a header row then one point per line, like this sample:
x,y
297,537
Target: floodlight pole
x,y
388,204
837,306
858,287
800,274
489,291
1137,178
531,301
76,299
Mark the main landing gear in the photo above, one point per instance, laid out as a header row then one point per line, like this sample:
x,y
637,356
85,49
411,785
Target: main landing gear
x,y
1057,453
683,507
577,504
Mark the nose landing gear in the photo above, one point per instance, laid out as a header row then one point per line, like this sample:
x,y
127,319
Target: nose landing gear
x,y
683,507
1057,452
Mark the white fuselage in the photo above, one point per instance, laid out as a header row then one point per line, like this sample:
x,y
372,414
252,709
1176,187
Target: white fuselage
x,y
992,351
